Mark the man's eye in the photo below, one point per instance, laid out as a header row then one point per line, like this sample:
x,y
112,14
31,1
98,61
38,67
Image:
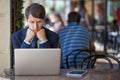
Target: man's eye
x,y
32,22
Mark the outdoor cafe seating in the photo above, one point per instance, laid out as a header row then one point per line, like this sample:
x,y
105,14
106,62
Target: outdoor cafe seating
x,y
93,58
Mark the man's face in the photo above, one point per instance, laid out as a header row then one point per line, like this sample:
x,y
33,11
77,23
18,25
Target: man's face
x,y
35,24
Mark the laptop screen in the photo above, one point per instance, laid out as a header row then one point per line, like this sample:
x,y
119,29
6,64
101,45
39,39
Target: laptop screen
x,y
37,61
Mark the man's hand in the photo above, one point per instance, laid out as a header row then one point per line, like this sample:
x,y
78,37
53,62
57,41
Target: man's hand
x,y
41,35
29,35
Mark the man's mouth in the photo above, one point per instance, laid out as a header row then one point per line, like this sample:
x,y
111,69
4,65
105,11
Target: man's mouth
x,y
35,31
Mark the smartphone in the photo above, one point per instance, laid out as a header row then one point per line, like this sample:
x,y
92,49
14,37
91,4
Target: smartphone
x,y
76,73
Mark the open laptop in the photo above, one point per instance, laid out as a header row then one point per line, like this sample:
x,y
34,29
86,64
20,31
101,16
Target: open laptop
x,y
37,61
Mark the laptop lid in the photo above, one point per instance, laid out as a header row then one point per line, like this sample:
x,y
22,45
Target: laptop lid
x,y
37,61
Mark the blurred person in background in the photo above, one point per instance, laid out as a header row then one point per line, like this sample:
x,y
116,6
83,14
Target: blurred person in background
x,y
118,16
58,24
51,16
73,37
84,15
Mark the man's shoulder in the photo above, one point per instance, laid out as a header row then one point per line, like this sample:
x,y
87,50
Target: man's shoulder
x,y
80,27
20,32
75,27
50,33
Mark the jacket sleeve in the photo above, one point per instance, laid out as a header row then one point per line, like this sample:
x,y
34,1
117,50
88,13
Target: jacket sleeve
x,y
44,45
55,44
17,44
24,45
50,44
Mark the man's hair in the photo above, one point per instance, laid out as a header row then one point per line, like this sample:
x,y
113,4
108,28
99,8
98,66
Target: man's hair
x,y
74,17
36,10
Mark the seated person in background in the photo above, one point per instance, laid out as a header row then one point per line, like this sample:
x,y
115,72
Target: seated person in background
x,y
115,27
35,35
58,24
73,37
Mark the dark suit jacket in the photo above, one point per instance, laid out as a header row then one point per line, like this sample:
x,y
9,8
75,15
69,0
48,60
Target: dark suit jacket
x,y
19,36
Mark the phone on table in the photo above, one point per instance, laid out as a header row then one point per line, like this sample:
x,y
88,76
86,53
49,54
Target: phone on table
x,y
76,73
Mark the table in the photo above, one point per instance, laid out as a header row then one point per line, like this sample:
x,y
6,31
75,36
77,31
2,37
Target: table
x,y
93,74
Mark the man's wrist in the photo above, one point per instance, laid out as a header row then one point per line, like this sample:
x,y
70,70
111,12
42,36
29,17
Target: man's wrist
x,y
42,42
28,42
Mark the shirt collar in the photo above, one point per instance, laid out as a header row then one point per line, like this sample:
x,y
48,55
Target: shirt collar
x,y
73,23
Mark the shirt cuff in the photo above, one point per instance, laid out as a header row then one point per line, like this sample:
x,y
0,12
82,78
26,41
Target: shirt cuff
x,y
27,42
42,42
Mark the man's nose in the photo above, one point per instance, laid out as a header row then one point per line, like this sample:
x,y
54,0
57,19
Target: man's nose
x,y
35,25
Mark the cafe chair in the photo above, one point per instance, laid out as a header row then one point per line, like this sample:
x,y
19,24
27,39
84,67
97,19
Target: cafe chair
x,y
75,56
84,50
92,60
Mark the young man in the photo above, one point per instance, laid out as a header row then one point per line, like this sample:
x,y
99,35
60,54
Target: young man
x,y
73,37
34,35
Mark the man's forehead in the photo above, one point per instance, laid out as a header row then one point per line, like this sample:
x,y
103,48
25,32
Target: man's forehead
x,y
30,17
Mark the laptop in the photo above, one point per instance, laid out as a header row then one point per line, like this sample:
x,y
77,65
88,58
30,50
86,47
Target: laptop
x,y
37,61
